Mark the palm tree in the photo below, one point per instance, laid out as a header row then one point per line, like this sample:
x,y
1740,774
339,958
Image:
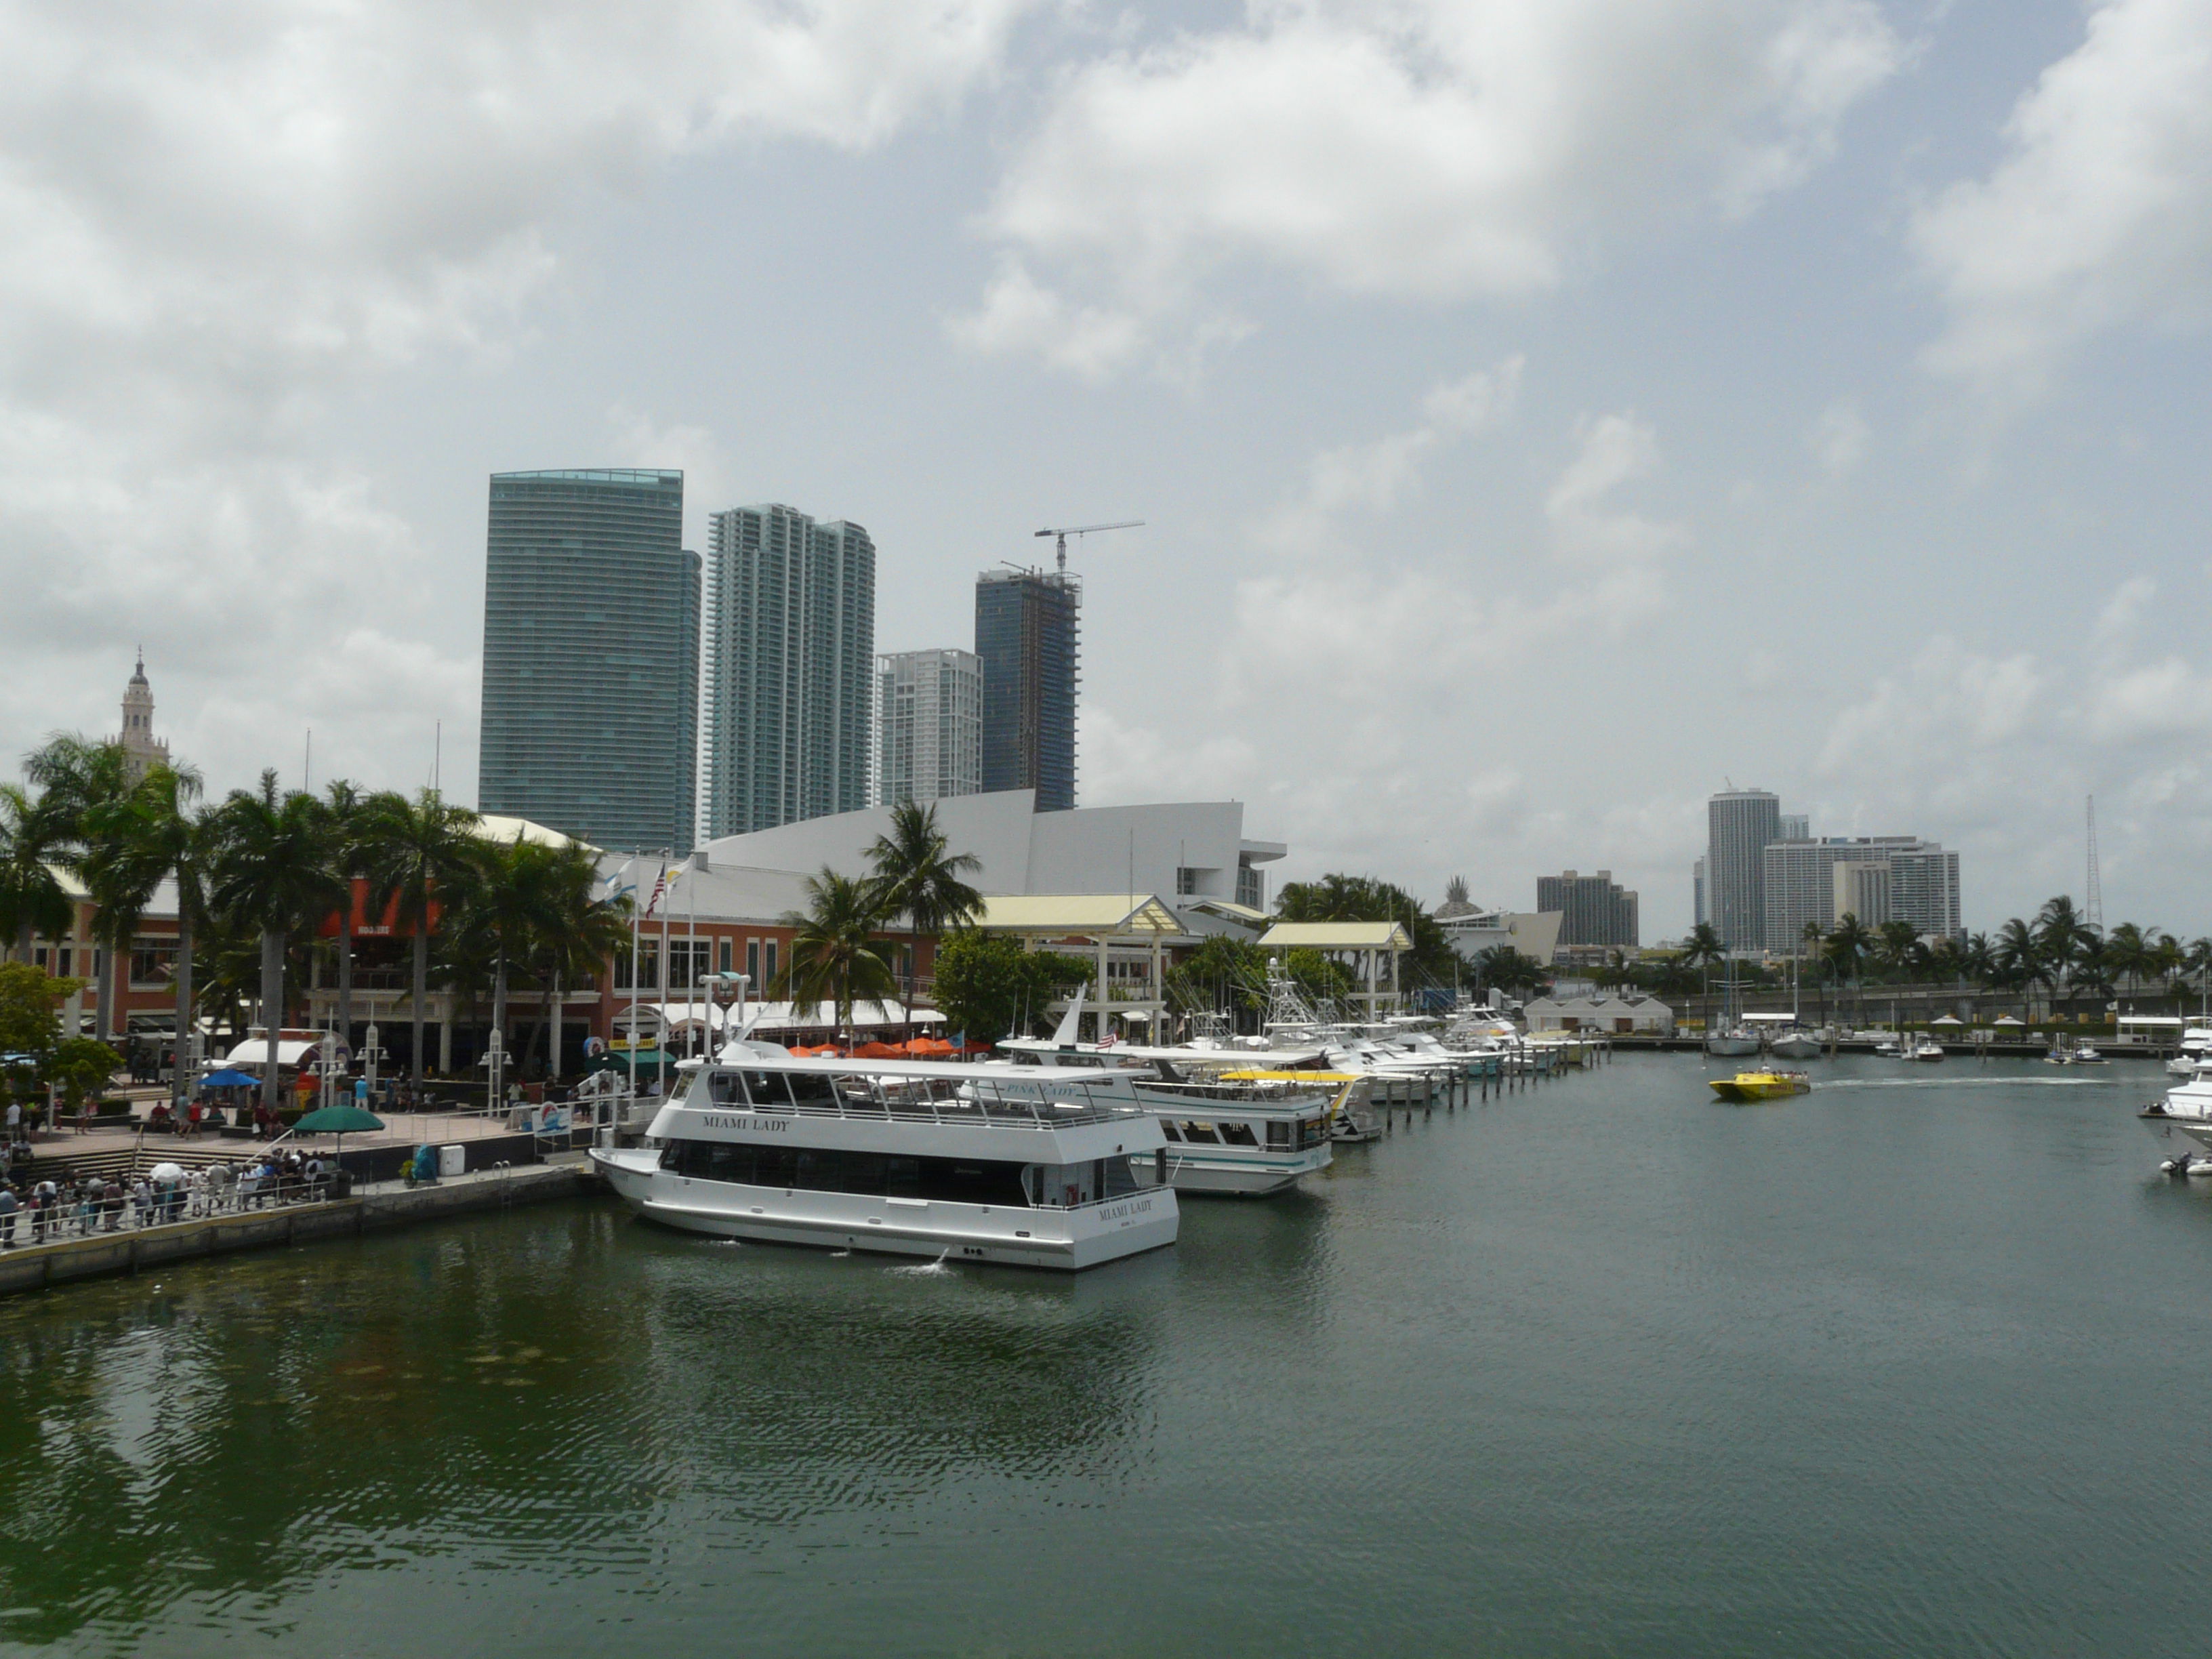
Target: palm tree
x,y
273,873
2018,956
79,778
504,909
345,811
1847,948
916,875
1896,946
152,835
577,931
2062,937
33,901
832,954
417,852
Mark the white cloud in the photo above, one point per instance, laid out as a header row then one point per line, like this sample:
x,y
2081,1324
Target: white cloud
x,y
2168,698
1839,438
1431,149
2125,609
215,219
1373,475
2099,216
1590,529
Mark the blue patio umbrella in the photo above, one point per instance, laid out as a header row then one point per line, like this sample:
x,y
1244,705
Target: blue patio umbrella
x,y
230,1078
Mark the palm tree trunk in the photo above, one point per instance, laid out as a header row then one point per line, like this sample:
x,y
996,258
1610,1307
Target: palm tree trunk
x,y
422,989
180,1076
552,1023
272,1009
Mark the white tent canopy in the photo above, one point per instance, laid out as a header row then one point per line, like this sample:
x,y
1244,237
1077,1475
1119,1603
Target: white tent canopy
x,y
254,1051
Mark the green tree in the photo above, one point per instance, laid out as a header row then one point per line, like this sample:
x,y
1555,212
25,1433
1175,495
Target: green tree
x,y
80,780
30,1023
833,956
577,931
1848,948
34,904
915,874
1364,899
1322,978
83,1066
989,988
1507,969
416,853
347,824
1223,975
156,833
2017,957
273,874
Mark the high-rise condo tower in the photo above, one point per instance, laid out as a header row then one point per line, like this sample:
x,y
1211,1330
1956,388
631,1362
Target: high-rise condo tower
x,y
788,707
591,671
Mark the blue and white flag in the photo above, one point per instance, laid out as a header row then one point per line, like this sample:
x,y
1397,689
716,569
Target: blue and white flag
x,y
620,881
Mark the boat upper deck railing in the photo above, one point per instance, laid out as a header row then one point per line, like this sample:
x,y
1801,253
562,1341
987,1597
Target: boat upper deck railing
x,y
1051,1102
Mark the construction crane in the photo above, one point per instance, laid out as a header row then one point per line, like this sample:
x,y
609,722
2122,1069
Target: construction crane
x,y
1085,530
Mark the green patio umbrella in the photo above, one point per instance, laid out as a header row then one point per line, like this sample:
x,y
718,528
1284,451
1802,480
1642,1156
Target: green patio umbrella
x,y
339,1120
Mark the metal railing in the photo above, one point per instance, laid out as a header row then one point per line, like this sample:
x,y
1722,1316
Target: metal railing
x,y
932,1100
95,1208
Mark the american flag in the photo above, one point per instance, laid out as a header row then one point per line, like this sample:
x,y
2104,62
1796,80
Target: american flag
x,y
660,887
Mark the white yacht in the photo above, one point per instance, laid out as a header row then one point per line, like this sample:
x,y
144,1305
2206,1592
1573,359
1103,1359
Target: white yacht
x,y
2188,1108
1230,1127
1734,1041
909,1157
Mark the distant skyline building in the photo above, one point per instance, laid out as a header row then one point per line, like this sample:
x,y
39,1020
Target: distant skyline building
x,y
1877,878
1593,909
930,731
1701,911
788,703
1794,826
1027,636
1740,824
142,751
591,660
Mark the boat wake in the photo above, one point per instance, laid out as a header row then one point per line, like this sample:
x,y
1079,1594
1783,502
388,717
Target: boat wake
x,y
1954,1081
936,1269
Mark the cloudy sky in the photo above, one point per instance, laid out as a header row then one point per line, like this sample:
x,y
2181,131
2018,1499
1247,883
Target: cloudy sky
x,y
1544,411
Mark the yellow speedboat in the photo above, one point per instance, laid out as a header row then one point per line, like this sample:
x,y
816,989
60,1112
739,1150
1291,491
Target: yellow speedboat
x,y
1762,1085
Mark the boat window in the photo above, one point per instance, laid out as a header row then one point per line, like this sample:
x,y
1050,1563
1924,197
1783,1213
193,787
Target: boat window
x,y
1117,1179
1278,1134
1238,1134
726,1089
1169,1130
829,1170
1202,1132
1312,1132
811,1088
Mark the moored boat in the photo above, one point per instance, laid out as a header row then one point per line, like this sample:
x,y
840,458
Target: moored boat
x,y
907,1158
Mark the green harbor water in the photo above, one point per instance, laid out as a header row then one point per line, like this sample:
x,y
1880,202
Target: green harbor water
x,y
1913,1365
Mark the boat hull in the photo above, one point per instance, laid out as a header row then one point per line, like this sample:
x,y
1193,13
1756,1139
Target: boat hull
x,y
1797,1048
1230,1177
1065,1241
1752,1087
1731,1048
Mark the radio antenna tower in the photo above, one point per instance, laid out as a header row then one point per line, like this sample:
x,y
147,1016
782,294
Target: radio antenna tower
x,y
2093,907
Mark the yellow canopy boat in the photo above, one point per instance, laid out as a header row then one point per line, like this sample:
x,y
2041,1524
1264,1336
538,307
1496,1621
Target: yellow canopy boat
x,y
1762,1085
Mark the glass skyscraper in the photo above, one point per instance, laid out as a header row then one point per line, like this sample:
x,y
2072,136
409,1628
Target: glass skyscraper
x,y
789,710
1026,635
590,672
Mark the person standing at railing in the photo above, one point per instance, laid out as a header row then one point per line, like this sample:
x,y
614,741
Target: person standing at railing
x,y
9,1204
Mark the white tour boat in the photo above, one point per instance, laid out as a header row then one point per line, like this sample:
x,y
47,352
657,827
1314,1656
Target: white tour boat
x,y
910,1158
1229,1128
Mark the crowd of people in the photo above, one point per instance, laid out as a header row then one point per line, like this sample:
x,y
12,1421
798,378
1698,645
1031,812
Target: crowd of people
x,y
81,1207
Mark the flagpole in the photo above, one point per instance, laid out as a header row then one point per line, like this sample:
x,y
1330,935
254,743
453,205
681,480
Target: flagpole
x,y
661,1065
691,953
632,1050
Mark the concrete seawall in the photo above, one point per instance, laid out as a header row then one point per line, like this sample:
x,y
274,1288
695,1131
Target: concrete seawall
x,y
34,1267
